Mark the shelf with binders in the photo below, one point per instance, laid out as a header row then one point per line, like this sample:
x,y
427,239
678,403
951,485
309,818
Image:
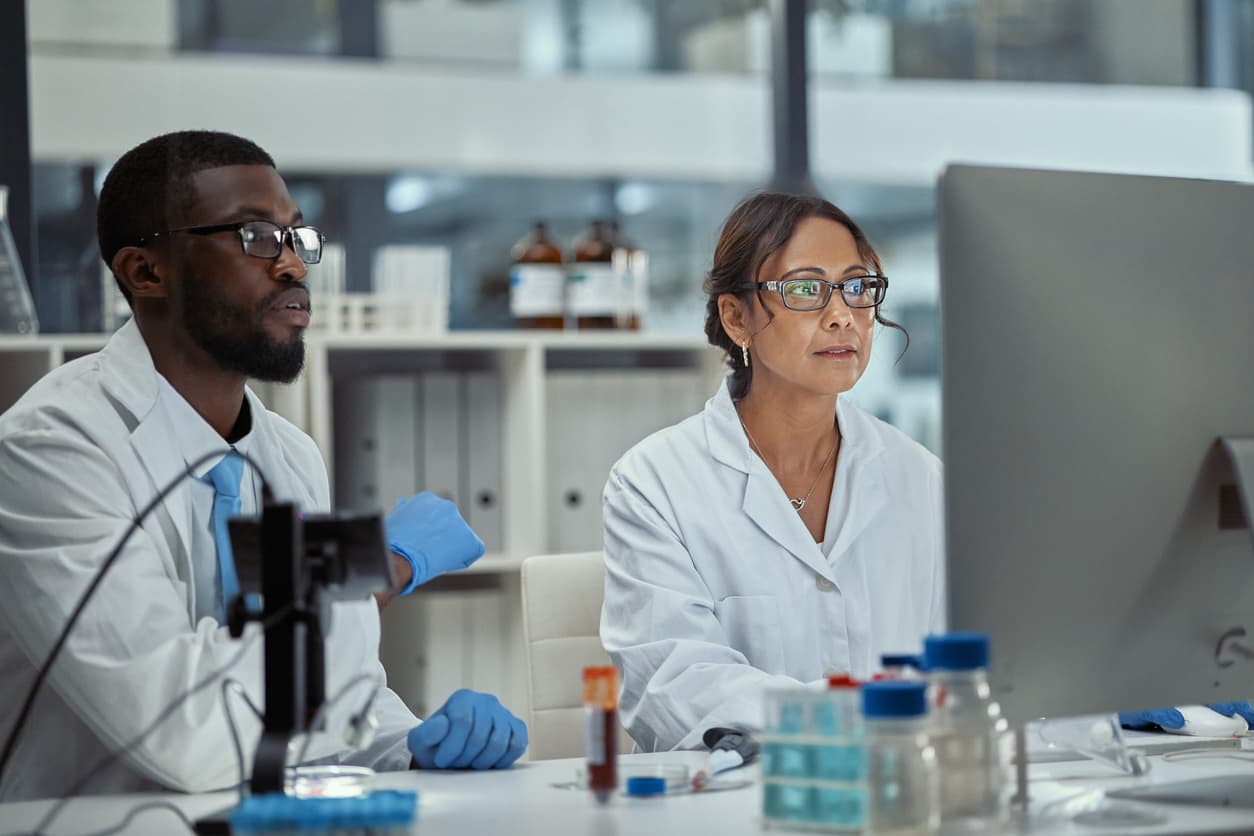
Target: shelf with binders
x,y
409,419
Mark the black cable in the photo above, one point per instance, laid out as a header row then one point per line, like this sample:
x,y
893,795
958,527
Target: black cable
x,y
174,705
11,743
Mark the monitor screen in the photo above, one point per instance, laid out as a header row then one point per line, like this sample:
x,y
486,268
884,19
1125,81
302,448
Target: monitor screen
x,y
1097,344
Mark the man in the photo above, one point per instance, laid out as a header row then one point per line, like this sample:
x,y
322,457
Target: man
x,y
201,234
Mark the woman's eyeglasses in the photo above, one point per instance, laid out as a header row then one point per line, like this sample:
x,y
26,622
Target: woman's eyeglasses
x,y
814,294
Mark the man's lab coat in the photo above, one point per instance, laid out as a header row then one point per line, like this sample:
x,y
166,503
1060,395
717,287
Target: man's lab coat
x,y
80,455
715,589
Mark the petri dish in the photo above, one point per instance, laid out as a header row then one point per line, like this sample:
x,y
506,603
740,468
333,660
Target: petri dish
x,y
677,776
329,781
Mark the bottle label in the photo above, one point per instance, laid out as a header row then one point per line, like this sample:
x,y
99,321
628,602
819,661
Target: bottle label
x,y
639,283
536,290
594,735
593,290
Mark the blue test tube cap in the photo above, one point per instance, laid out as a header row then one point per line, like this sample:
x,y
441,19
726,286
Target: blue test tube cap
x,y
892,699
646,785
956,652
901,660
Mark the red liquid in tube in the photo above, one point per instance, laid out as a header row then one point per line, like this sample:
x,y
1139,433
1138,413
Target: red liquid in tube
x,y
600,705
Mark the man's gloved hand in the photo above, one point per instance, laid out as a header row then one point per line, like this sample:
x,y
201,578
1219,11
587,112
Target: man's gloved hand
x,y
430,533
1172,719
470,731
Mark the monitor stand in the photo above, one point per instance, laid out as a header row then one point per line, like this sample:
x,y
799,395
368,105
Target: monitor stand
x,y
1235,791
1241,453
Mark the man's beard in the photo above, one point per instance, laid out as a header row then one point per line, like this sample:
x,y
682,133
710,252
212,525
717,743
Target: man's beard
x,y
236,339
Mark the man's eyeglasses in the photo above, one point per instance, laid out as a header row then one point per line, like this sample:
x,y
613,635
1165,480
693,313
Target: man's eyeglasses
x,y
813,294
261,239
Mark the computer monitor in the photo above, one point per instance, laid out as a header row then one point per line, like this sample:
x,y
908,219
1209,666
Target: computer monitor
x,y
1097,343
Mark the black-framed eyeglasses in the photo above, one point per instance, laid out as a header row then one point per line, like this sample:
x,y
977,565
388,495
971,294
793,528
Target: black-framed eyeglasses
x,y
813,294
261,239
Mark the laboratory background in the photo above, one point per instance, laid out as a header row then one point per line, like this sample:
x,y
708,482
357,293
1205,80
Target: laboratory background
x,y
457,152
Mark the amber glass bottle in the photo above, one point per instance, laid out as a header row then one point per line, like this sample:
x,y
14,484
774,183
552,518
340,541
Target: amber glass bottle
x,y
592,293
537,281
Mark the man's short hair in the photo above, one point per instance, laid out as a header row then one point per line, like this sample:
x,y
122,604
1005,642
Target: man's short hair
x,y
152,181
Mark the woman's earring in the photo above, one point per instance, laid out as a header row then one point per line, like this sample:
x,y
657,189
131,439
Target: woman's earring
x,y
744,352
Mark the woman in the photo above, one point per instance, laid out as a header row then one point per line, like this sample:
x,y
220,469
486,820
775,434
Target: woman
x,y
783,534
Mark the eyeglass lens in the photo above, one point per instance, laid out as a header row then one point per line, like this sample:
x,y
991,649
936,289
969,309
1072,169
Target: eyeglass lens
x,y
812,294
265,240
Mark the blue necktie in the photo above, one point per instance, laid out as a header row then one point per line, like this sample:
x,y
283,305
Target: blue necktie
x,y
225,477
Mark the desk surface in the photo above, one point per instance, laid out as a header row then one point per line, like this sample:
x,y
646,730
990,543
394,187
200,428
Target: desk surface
x,y
524,801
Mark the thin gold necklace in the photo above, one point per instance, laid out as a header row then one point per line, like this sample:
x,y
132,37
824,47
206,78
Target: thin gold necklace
x,y
799,502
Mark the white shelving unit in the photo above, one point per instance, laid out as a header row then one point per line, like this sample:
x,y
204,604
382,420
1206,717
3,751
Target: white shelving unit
x,y
569,405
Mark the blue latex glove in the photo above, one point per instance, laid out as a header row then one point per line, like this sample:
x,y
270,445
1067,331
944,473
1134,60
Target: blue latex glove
x,y
1167,718
1170,718
470,731
429,532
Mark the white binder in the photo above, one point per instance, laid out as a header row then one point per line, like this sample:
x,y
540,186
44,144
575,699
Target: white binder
x,y
482,499
441,432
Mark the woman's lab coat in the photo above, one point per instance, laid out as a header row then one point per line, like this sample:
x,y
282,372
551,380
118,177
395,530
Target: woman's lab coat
x,y
714,588
80,454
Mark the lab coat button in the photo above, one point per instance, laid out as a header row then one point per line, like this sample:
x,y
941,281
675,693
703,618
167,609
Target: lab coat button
x,y
824,584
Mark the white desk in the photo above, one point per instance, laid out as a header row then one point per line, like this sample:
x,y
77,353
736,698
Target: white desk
x,y
522,801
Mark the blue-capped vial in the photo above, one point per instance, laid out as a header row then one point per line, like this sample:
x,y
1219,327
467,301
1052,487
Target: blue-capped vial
x,y
955,652
973,742
901,666
646,785
902,780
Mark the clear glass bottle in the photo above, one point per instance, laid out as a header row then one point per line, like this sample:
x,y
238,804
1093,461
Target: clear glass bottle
x,y
631,266
537,281
592,289
973,742
903,788
17,310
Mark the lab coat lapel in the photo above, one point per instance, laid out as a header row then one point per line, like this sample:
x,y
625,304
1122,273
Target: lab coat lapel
x,y
764,500
153,442
859,448
130,378
766,504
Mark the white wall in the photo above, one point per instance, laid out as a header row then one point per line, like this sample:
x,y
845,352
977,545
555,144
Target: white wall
x,y
356,116
132,25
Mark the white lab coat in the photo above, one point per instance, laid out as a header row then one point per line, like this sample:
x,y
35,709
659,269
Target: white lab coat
x,y
715,589
80,454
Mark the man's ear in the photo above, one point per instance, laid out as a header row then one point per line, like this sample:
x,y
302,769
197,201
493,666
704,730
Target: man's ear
x,y
137,269
734,314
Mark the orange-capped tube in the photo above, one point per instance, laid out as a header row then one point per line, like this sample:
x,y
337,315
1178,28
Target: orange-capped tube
x,y
600,706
